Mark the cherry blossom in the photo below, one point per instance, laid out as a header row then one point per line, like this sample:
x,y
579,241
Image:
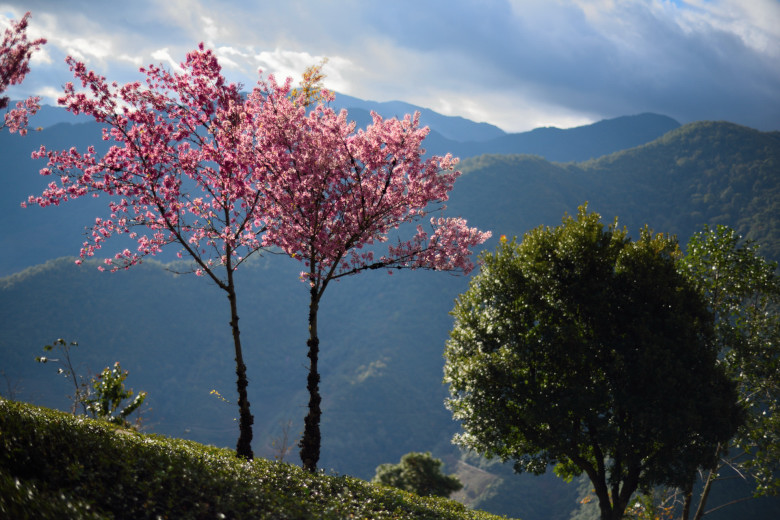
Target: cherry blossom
x,y
175,175
15,53
336,194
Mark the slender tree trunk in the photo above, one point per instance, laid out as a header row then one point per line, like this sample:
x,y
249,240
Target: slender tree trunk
x,y
612,505
244,445
606,508
688,493
706,492
310,443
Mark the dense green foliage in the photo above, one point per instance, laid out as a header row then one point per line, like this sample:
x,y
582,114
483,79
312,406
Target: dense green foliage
x,y
742,289
418,473
55,465
582,348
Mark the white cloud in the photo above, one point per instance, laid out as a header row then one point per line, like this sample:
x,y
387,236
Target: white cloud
x,y
337,71
164,56
507,111
134,60
86,47
513,63
755,22
232,51
283,63
49,95
210,29
240,63
41,57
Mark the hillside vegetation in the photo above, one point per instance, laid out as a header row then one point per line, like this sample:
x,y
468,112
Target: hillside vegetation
x,y
704,173
54,465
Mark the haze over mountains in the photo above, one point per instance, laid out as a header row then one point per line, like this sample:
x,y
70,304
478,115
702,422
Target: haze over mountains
x,y
382,336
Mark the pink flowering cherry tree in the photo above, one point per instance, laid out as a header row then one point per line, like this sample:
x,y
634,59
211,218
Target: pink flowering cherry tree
x,y
335,196
15,53
176,175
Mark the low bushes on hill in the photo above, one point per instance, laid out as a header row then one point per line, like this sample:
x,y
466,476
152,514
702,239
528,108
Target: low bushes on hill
x,y
56,465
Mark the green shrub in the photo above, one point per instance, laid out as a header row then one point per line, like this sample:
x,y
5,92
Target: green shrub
x,y
418,473
55,465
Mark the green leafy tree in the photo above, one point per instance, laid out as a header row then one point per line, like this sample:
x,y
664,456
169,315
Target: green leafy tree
x,y
418,473
582,348
742,289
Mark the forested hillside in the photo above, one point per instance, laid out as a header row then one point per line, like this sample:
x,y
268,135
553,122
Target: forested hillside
x,y
702,173
381,336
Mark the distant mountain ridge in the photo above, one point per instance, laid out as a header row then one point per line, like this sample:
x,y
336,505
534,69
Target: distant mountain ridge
x,y
567,145
50,115
455,128
464,138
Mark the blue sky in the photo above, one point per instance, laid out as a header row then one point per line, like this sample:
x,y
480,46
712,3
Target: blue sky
x,y
518,64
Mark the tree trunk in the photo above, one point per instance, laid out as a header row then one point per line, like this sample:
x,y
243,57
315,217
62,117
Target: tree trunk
x,y
598,478
310,443
612,506
244,445
620,504
705,493
688,499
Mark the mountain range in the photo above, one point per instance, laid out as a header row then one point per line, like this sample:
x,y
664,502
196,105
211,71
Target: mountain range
x,y
382,336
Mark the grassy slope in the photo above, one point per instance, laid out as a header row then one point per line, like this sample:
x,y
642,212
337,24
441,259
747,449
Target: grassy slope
x,y
55,465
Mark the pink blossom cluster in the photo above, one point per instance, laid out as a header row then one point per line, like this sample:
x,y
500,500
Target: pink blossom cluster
x,y
15,53
448,248
17,119
175,173
193,162
335,192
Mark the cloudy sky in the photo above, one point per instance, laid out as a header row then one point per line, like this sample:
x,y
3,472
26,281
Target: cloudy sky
x,y
518,64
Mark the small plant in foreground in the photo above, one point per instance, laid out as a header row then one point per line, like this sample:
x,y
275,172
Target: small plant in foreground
x,y
109,390
102,397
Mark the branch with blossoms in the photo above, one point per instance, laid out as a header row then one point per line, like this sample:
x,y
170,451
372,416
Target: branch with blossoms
x,y
335,191
15,53
176,169
448,248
